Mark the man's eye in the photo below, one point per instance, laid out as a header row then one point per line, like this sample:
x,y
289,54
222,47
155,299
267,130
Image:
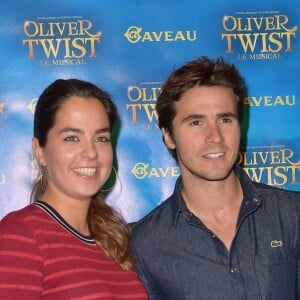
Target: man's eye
x,y
226,120
195,123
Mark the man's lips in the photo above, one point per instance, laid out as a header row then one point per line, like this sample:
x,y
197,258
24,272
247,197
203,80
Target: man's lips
x,y
214,155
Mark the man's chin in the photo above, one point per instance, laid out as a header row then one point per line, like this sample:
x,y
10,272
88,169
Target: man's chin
x,y
219,176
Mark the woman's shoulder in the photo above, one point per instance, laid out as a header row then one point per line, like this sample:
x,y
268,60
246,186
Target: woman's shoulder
x,y
27,216
28,210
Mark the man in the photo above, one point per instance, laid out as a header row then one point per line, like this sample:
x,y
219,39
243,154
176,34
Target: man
x,y
220,236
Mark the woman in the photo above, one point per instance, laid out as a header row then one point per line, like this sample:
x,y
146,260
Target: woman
x,y
69,244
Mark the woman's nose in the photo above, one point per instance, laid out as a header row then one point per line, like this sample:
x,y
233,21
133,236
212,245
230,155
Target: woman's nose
x,y
89,150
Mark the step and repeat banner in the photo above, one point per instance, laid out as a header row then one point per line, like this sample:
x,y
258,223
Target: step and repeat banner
x,y
129,47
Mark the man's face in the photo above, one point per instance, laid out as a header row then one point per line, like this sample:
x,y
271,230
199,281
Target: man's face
x,y
206,133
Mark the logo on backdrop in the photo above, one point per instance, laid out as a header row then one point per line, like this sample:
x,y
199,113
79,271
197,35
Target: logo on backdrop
x,y
142,101
142,170
270,101
32,104
273,165
135,34
259,35
1,107
60,41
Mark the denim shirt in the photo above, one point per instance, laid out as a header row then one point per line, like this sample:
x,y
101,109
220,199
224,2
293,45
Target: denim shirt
x,y
178,258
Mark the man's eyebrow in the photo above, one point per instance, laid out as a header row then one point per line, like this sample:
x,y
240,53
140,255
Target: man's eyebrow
x,y
227,114
193,117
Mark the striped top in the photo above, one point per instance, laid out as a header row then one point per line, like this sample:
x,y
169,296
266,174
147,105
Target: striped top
x,y
43,257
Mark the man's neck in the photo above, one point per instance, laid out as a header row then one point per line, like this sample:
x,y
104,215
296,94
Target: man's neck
x,y
216,204
211,196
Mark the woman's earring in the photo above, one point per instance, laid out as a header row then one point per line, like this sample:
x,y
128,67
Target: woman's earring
x,y
43,178
115,180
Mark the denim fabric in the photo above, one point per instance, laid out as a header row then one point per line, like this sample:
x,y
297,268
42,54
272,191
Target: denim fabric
x,y
178,258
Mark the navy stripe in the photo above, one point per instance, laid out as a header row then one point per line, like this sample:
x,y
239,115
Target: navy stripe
x,y
52,212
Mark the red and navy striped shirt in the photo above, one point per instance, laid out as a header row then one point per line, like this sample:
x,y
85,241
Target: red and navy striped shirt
x,y
43,257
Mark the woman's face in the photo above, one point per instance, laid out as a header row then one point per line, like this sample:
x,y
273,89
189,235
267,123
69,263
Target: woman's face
x,y
78,154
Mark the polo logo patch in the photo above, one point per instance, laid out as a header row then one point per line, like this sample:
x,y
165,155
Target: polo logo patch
x,y
275,244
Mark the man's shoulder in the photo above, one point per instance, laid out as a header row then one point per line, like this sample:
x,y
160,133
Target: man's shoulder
x,y
275,198
155,220
162,210
276,191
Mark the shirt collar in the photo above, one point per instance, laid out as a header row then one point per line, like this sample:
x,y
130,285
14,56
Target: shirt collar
x,y
251,196
177,203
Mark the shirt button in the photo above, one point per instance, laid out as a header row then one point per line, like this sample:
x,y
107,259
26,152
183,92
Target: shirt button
x,y
255,200
233,270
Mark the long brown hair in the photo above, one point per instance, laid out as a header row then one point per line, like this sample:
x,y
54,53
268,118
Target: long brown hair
x,y
107,227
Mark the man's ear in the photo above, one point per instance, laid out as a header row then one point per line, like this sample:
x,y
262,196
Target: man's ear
x,y
38,152
168,140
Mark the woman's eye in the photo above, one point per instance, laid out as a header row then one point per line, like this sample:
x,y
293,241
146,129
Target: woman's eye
x,y
102,139
71,139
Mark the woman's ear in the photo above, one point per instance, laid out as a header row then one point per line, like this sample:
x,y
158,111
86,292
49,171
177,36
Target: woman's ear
x,y
168,140
38,152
